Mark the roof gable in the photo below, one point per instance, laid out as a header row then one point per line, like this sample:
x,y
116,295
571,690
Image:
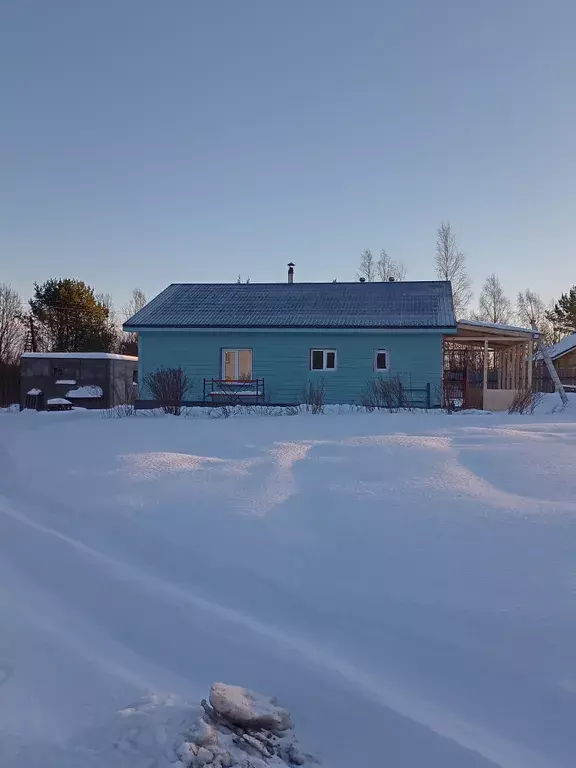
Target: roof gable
x,y
299,305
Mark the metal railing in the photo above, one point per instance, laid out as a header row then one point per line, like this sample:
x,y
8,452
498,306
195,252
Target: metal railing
x,y
233,392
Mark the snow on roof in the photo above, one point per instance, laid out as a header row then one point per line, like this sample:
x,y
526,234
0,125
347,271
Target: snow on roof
x,y
81,355
58,401
34,391
562,347
495,326
83,392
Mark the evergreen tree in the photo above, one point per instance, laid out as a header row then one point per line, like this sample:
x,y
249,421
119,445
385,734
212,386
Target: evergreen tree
x,y
72,318
563,316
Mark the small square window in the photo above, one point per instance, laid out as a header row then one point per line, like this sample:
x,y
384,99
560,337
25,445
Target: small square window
x,y
323,359
381,360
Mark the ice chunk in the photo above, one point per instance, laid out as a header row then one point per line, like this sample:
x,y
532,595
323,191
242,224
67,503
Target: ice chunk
x,y
248,709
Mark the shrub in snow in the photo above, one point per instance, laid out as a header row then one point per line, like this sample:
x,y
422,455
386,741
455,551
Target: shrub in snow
x,y
314,396
169,386
525,401
384,393
240,728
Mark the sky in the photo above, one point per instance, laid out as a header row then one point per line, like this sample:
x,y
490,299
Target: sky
x,y
144,143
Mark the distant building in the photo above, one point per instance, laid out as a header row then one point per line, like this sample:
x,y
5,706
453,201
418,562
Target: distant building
x,y
563,354
86,379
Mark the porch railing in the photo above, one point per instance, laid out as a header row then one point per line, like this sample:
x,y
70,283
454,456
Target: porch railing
x,y
234,392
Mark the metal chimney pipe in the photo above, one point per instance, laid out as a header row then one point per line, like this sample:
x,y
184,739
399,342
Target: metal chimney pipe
x,y
291,272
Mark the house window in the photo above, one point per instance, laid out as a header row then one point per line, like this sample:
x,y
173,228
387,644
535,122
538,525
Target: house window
x,y
237,364
381,360
322,359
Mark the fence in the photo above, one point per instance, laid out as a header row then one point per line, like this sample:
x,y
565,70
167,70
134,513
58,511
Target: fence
x,y
543,382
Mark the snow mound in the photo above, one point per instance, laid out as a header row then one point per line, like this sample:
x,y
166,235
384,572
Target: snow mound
x,y
551,403
242,728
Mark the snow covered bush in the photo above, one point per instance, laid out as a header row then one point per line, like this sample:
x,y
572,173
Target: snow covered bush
x,y
169,386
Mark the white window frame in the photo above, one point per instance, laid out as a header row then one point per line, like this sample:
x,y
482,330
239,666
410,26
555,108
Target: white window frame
x,y
324,357
378,352
237,350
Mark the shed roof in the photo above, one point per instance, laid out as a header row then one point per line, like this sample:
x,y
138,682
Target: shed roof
x,y
562,347
495,327
80,355
299,305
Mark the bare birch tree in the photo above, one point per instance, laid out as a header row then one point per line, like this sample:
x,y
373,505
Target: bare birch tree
x,y
129,342
531,311
382,269
11,344
450,265
137,301
11,331
494,306
367,268
388,269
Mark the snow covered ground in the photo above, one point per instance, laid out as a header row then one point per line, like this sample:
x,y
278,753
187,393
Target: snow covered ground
x,y
404,583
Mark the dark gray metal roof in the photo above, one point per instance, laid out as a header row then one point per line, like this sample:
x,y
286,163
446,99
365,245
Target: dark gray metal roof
x,y
299,305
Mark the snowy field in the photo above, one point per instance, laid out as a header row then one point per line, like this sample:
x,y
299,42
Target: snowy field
x,y
404,583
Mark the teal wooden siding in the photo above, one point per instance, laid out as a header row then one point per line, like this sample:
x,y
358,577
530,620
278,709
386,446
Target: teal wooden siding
x,y
282,359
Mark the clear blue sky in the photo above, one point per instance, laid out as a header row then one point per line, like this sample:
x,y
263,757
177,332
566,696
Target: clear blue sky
x,y
143,143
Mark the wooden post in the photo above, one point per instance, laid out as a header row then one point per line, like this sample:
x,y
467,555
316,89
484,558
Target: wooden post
x,y
500,365
551,370
485,382
529,363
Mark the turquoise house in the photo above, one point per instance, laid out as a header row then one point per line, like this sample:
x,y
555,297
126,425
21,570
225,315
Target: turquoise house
x,y
268,342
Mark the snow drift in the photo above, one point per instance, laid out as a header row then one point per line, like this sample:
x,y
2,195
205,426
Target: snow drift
x,y
403,583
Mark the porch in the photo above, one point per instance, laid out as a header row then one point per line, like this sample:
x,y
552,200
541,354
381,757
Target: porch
x,y
487,364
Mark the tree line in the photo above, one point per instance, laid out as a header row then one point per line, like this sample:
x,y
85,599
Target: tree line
x,y
554,321
64,315
67,315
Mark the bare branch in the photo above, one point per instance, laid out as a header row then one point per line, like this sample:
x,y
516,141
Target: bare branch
x,y
450,265
169,386
367,268
388,269
11,330
137,301
532,312
494,306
